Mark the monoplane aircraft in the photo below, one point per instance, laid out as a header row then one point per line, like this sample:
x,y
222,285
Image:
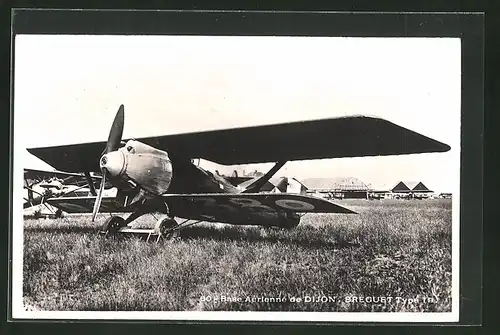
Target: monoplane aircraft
x,y
157,174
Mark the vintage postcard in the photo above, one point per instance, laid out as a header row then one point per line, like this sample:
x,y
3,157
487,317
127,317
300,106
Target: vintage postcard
x,y
239,178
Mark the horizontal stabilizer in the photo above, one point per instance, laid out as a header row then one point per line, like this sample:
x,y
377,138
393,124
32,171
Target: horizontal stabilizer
x,y
353,136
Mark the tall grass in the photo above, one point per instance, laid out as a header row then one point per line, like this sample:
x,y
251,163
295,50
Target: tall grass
x,y
392,249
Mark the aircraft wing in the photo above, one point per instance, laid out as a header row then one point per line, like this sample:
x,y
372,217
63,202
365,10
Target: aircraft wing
x,y
218,205
351,136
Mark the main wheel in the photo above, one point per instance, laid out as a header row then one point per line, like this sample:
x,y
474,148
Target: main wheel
x,y
113,224
164,227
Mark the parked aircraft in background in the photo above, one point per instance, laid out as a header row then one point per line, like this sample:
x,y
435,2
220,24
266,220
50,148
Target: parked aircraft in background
x,y
40,185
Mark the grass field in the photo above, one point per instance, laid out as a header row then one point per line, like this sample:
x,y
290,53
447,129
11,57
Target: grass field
x,y
394,256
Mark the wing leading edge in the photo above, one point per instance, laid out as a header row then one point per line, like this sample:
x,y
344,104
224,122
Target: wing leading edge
x,y
353,136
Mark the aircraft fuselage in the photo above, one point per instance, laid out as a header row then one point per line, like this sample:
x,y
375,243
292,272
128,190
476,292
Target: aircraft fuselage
x,y
156,173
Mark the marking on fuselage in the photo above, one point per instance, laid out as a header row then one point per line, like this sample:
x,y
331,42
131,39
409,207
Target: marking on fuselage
x,y
245,202
260,208
204,201
225,208
294,204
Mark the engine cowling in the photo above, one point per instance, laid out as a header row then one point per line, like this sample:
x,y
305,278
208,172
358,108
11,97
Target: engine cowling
x,y
148,167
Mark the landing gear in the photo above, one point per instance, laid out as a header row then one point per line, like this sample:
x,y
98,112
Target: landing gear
x,y
113,224
167,227
59,213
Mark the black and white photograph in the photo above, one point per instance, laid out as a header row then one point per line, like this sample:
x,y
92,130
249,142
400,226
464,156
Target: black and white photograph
x,y
196,177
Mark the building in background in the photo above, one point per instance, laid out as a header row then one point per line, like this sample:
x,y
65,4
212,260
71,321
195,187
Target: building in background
x,y
338,188
411,190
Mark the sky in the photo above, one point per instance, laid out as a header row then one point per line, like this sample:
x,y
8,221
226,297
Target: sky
x,y
67,89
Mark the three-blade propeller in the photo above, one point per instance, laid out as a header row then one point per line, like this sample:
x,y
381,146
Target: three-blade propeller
x,y
113,144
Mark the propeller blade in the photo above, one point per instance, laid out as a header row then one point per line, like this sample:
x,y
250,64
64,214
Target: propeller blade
x,y
98,200
116,132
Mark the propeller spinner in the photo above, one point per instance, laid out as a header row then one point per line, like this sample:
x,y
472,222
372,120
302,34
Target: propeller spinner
x,y
113,144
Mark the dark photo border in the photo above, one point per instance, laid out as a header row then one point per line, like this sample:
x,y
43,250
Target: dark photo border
x,y
467,26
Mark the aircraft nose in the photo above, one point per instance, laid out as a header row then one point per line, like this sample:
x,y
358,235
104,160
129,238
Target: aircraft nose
x,y
114,162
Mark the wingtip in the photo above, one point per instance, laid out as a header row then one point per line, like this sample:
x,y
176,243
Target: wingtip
x,y
346,210
351,211
443,147
343,210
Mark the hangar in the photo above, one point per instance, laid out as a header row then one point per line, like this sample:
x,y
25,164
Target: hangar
x,y
410,189
342,187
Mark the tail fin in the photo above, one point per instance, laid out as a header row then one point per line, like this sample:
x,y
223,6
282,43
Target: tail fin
x,y
282,186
